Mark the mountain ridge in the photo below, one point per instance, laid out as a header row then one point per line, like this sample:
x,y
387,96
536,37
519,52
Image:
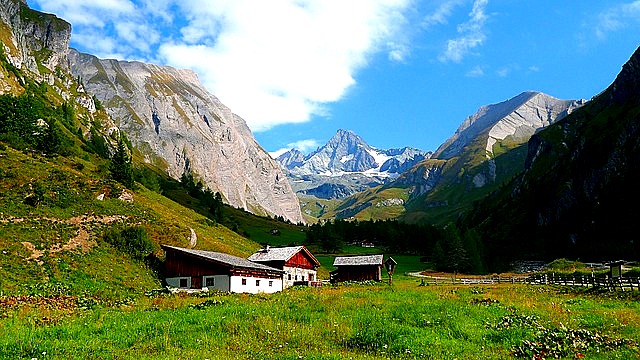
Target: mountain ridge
x,y
580,178
475,159
346,164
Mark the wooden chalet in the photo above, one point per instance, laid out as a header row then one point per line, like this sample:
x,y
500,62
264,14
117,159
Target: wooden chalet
x,y
357,268
299,265
198,269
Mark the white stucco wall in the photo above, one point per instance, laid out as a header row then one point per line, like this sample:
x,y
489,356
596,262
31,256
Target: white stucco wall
x,y
300,273
252,288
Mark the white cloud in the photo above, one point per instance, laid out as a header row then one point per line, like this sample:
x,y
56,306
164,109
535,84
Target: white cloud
x,y
533,68
305,146
271,62
472,34
278,62
504,71
81,12
442,14
477,71
617,18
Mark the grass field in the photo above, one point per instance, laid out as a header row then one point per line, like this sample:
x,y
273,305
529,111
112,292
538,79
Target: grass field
x,y
352,321
65,293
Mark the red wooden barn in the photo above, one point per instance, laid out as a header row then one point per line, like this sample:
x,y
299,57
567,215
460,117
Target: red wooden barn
x,y
357,268
198,269
299,265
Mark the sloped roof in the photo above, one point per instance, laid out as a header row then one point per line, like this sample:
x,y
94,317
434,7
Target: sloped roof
x,y
221,258
358,260
280,254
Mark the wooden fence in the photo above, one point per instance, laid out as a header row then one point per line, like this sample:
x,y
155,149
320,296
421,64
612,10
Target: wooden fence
x,y
454,280
611,284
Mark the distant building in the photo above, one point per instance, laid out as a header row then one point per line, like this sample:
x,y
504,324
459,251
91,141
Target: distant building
x,y
297,263
198,269
357,268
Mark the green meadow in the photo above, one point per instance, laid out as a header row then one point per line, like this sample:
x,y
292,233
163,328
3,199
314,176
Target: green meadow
x,y
348,321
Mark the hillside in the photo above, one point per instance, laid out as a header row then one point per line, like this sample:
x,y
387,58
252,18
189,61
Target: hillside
x,y
177,125
53,226
575,196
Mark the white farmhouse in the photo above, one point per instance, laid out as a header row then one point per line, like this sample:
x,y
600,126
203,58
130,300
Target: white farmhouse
x,y
297,263
198,269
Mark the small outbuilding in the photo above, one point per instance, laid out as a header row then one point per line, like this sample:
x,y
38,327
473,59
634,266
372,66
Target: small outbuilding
x,y
297,263
357,268
198,269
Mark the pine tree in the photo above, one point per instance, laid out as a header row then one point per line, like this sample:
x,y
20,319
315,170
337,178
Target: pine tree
x,y
120,167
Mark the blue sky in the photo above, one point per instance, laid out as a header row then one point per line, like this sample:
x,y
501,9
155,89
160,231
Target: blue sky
x,y
397,72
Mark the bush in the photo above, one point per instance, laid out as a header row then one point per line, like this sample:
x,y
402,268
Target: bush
x,y
132,240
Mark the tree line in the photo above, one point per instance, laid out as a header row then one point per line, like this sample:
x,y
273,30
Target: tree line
x,y
447,248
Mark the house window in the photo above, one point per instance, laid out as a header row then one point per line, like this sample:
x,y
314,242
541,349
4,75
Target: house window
x,y
183,283
210,282
270,283
289,276
310,277
244,281
257,282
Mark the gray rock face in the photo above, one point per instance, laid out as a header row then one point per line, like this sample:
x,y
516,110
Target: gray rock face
x,y
518,118
177,123
32,33
291,159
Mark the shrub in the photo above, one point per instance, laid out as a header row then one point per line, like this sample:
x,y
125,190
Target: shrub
x,y
132,240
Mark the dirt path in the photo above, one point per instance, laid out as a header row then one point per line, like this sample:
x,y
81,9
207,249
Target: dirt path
x,y
80,242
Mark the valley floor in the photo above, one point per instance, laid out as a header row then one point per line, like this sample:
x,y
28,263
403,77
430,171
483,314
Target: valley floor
x,y
350,321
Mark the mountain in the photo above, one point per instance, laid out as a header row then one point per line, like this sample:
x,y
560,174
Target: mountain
x,y
178,125
345,165
577,192
517,118
484,152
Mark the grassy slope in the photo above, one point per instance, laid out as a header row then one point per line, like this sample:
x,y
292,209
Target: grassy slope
x,y
70,218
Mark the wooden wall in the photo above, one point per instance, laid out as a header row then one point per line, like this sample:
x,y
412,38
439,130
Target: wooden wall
x,y
299,260
358,273
178,264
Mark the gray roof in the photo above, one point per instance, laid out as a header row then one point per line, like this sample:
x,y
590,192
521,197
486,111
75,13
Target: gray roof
x,y
358,260
222,258
279,254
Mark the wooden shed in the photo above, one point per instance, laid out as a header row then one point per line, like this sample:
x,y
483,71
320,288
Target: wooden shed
x,y
357,268
198,269
297,262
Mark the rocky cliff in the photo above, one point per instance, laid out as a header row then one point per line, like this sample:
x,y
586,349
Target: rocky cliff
x,y
174,121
